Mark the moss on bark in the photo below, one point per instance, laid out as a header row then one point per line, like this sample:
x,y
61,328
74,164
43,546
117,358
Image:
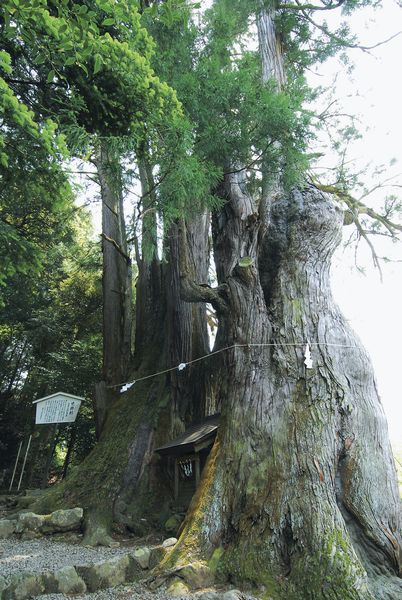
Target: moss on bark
x,y
298,448
188,547
333,572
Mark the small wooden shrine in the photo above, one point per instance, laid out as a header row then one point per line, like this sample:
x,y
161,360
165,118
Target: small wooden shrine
x,y
188,453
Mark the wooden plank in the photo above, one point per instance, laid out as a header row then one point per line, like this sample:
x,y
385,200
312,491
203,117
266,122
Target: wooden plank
x,y
194,435
176,479
204,444
197,470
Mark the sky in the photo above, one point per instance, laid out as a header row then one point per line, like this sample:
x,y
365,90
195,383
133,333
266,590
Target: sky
x,y
374,91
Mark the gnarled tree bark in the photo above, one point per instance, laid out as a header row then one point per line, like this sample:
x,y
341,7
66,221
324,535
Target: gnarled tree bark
x,y
300,493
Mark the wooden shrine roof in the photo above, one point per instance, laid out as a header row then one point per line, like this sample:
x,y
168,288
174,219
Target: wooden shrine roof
x,y
196,437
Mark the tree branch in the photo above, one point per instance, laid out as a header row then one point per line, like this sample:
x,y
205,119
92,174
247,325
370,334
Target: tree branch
x,y
340,41
249,166
364,235
34,82
312,7
190,290
358,207
116,245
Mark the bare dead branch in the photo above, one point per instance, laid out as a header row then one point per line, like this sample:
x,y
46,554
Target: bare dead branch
x,y
339,40
312,7
358,207
375,257
116,245
253,162
381,185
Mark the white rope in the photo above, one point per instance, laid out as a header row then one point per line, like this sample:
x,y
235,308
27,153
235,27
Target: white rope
x,y
127,385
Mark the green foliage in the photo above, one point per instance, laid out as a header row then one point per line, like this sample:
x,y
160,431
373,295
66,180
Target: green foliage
x,y
87,62
245,262
50,335
69,71
186,178
187,187
230,117
35,199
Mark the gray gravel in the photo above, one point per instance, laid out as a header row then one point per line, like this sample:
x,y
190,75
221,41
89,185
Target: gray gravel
x,y
46,554
132,592
126,592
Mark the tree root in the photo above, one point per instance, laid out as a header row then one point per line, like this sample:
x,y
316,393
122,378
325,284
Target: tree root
x,y
97,531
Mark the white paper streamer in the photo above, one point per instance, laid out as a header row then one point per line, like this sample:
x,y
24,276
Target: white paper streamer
x,y
308,361
126,387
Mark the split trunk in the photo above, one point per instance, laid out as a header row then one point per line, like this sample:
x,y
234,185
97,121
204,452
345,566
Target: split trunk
x,y
300,492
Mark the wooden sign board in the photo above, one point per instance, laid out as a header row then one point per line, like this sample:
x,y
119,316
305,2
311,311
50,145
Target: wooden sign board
x,y
57,408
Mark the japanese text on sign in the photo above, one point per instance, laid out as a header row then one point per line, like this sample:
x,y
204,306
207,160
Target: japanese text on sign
x,y
57,410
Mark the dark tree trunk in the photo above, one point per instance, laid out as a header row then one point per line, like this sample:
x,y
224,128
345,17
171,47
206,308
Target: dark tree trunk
x,y
133,494
54,438
18,368
150,308
186,323
123,464
70,448
169,331
116,280
117,296
300,492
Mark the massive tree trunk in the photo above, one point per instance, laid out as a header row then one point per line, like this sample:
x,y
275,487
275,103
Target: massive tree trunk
x,y
186,322
300,491
169,332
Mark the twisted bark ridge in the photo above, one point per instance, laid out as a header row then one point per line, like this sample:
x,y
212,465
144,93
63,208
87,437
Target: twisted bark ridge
x,y
300,491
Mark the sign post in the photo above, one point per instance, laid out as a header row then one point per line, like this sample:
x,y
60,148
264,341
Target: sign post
x,y
57,408
15,467
24,463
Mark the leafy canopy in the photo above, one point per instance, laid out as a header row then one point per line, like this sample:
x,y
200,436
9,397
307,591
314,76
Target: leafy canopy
x,y
87,63
69,72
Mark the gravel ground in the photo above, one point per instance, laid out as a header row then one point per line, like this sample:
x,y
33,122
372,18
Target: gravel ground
x,y
133,592
45,554
126,592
